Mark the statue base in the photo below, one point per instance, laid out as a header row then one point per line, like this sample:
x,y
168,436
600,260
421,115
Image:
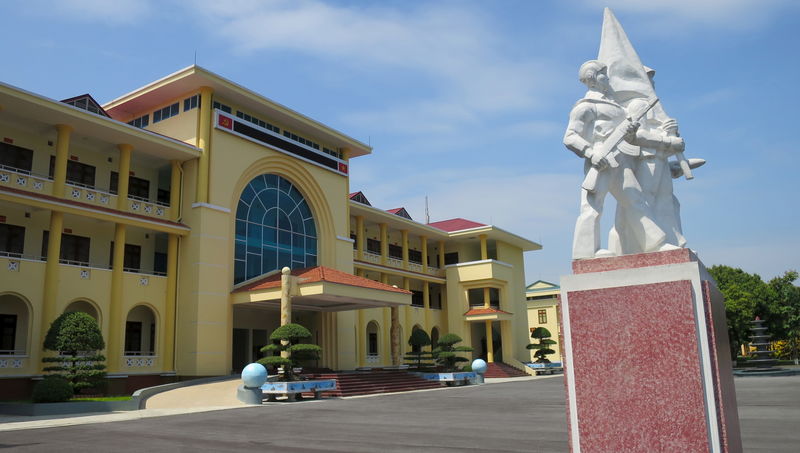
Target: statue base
x,y
647,357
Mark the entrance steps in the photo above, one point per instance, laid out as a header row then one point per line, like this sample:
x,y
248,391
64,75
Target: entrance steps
x,y
501,370
351,383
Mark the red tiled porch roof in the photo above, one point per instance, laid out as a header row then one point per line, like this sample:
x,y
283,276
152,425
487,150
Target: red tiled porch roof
x,y
320,274
486,311
456,224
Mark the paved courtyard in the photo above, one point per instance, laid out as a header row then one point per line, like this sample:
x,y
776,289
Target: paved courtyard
x,y
525,415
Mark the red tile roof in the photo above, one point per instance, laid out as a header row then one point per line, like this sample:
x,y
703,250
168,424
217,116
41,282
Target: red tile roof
x,y
485,311
320,274
394,211
456,224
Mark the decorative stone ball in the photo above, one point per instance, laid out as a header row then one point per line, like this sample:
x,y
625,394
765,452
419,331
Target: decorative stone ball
x,y
479,366
254,375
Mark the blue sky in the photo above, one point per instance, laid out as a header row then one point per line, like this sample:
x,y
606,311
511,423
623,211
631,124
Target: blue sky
x,y
466,101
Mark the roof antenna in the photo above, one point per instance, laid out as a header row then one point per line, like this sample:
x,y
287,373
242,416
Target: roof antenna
x,y
195,57
427,212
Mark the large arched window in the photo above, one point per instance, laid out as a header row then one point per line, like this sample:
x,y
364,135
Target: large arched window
x,y
274,228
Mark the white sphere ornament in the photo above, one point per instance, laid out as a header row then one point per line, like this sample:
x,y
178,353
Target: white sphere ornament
x,y
479,366
254,375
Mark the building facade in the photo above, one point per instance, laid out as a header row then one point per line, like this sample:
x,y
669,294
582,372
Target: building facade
x,y
543,311
180,261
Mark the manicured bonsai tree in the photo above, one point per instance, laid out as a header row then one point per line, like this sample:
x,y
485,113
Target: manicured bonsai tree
x,y
543,347
78,340
446,352
417,357
287,339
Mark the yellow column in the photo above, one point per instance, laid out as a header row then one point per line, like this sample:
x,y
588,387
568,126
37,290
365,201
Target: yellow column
x,y
386,340
487,298
405,248
360,237
426,304
489,345
441,255
484,249
175,188
360,272
62,155
361,336
407,311
424,246
51,270
116,327
384,243
204,142
124,175
172,293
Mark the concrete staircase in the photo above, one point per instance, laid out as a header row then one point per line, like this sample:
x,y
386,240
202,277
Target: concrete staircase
x,y
351,383
501,370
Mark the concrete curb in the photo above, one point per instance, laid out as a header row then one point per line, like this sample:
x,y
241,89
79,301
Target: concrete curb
x,y
75,407
142,395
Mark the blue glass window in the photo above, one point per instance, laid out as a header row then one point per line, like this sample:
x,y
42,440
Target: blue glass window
x,y
274,228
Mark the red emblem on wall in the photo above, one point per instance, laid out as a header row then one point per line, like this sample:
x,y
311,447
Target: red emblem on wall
x,y
343,167
225,122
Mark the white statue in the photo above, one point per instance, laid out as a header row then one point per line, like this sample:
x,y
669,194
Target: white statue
x,y
625,137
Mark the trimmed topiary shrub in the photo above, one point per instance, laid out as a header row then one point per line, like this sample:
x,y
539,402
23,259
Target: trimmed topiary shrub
x,y
543,347
446,353
417,357
52,389
286,340
77,339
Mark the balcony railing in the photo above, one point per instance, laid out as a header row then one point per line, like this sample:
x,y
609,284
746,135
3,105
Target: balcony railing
x,y
375,258
23,179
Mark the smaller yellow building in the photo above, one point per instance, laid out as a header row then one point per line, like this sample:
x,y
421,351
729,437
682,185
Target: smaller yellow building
x,y
543,311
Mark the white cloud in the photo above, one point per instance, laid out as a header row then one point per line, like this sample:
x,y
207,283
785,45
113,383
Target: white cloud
x,y
733,14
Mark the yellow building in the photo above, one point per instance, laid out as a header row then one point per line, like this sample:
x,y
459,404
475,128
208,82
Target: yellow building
x,y
180,261
543,311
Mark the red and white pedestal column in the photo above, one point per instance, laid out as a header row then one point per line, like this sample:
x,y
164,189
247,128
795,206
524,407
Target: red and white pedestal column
x,y
647,361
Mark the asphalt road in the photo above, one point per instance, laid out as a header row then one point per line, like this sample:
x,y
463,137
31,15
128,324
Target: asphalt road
x,y
526,415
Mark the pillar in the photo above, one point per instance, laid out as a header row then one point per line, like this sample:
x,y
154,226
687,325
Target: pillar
x,y
62,155
124,175
286,302
426,304
172,294
489,345
175,188
395,333
405,248
441,254
51,270
424,247
204,143
361,337
360,237
384,230
487,298
115,325
484,248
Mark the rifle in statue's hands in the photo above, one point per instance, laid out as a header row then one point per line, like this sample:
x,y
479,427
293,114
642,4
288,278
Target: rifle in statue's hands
x,y
608,149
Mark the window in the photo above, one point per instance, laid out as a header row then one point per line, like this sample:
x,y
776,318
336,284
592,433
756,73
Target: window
x,y
12,239
450,258
372,348
354,237
163,196
74,249
415,256
374,246
137,187
160,263
142,121
77,173
133,336
191,103
222,107
167,112
16,157
416,299
132,259
395,251
542,316
8,333
274,228
258,122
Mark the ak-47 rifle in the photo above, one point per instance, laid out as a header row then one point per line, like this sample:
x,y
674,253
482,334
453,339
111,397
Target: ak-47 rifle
x,y
608,149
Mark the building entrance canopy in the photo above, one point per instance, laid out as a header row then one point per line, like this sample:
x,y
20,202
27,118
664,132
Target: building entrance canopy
x,y
321,289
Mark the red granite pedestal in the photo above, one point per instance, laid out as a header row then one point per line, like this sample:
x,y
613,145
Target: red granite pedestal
x,y
647,359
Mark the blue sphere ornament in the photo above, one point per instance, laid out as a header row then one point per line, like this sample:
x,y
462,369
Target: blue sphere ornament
x,y
479,366
254,375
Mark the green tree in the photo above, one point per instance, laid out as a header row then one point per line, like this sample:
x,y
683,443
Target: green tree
x,y
446,353
417,357
287,339
543,346
78,340
786,307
